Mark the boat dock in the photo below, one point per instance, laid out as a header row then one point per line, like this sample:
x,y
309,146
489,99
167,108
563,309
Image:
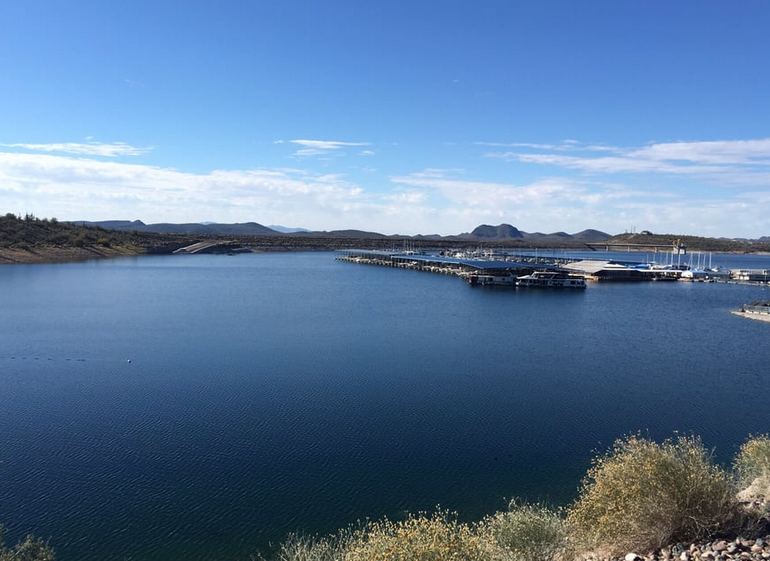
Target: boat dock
x,y
487,268
447,265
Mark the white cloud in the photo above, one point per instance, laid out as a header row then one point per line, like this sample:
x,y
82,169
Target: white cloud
x,y
321,147
446,201
110,149
75,188
493,195
568,145
729,160
573,204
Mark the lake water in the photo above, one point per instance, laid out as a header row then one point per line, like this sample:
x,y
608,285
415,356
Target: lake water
x,y
269,393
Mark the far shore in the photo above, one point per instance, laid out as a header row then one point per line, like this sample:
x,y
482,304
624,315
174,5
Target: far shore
x,y
16,256
67,254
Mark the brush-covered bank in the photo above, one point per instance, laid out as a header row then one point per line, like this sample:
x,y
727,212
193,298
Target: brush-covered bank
x,y
29,239
639,501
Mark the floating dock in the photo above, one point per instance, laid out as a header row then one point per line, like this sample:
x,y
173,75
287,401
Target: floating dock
x,y
480,268
447,265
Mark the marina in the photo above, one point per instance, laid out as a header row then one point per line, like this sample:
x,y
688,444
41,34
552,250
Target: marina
x,y
525,270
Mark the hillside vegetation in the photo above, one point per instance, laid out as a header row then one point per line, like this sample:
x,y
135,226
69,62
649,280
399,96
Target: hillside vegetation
x,y
31,239
694,243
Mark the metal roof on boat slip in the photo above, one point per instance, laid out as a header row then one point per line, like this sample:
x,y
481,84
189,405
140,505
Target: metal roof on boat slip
x,y
481,264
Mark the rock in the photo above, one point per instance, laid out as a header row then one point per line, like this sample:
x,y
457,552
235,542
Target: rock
x,y
719,546
632,557
685,556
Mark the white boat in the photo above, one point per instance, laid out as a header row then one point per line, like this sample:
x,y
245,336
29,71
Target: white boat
x,y
549,279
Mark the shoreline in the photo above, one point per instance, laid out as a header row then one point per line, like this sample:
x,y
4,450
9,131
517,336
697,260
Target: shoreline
x,y
50,255
754,316
71,254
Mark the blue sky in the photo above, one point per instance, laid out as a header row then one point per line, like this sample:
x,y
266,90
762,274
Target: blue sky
x,y
393,116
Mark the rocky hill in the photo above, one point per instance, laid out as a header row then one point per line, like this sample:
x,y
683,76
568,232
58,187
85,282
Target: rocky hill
x,y
504,232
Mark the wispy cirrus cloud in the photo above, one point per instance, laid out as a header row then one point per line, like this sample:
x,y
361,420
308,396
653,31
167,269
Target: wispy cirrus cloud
x,y
567,145
91,148
323,147
747,160
472,193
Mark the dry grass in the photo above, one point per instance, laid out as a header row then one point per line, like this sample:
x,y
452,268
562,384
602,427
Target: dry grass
x,y
643,495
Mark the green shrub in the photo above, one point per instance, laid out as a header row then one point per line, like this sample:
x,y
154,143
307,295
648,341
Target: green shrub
x,y
643,495
527,532
79,239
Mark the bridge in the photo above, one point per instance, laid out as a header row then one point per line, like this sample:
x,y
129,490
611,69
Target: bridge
x,y
211,246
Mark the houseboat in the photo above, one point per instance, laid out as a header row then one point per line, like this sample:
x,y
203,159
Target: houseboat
x,y
549,279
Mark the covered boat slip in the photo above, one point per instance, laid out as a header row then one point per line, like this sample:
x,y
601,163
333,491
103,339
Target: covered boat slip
x,y
488,269
502,266
449,265
503,272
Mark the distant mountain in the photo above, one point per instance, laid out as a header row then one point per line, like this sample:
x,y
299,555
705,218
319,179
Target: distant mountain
x,y
286,229
508,232
123,225
764,239
484,232
354,234
209,228
590,236
501,232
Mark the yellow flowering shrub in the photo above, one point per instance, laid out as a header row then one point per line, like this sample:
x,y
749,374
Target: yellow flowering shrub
x,y
753,459
527,532
643,495
437,537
